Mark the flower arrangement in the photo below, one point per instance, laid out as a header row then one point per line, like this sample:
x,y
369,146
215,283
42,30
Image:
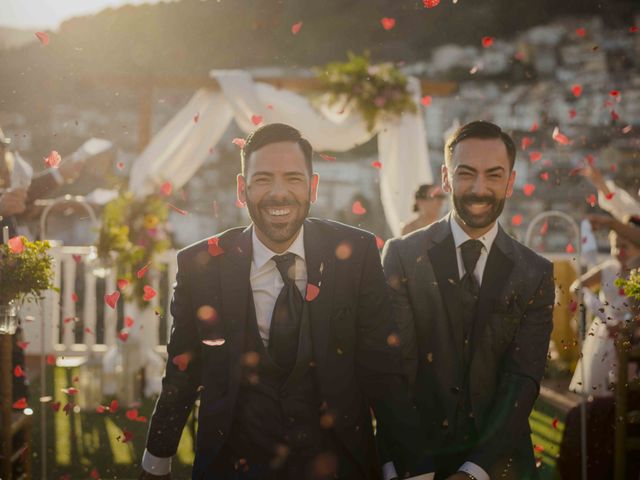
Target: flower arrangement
x,y
25,270
631,285
133,232
375,90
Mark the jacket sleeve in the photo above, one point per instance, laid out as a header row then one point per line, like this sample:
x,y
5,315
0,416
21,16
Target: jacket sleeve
x,y
182,375
519,383
380,374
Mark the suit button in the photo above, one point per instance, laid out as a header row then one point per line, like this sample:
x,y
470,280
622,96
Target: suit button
x,y
455,390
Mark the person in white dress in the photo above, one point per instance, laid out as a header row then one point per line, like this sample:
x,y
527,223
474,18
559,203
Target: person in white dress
x,y
596,369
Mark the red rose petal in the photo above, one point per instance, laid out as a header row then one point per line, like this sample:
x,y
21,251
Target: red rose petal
x,y
113,406
581,32
18,372
614,115
123,336
528,189
388,23
122,283
94,474
140,273
149,293
544,229
128,321
182,361
295,28
21,403
576,90
609,195
569,248
426,100
43,37
312,292
76,258
538,448
213,247
256,119
430,3
535,156
166,188
239,142
357,208
22,345
379,242
526,142
516,220
55,406
377,164
560,137
16,245
534,127
112,299
544,176
51,359
70,390
179,210
53,160
633,29
487,41
132,414
74,297
101,409
614,93
326,157
591,200
120,165
554,423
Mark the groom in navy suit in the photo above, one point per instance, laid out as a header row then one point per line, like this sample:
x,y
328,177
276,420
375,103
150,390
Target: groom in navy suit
x,y
284,330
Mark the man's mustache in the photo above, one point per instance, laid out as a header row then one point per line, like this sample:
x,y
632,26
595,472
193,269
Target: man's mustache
x,y
479,199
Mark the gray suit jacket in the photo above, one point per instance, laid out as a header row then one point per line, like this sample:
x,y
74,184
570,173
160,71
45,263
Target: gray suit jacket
x,y
509,342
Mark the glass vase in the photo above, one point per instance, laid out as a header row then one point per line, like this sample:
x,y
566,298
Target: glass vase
x,y
9,318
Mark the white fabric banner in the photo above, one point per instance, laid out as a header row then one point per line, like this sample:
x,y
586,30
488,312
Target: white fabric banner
x,y
181,146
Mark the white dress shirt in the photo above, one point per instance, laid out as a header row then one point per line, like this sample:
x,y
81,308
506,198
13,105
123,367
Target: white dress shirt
x,y
266,284
459,237
620,204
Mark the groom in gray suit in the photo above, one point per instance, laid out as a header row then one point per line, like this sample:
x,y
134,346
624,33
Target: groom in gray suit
x,y
474,308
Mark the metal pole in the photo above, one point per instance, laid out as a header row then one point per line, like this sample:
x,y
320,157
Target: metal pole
x,y
581,323
43,393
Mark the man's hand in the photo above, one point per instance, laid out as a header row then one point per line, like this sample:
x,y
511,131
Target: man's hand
x,y
144,475
13,202
458,476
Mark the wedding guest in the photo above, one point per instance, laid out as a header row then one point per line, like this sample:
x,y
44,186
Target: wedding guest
x,y
429,200
611,198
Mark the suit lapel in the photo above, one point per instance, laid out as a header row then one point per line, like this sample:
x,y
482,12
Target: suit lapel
x,y
235,268
445,266
320,260
496,273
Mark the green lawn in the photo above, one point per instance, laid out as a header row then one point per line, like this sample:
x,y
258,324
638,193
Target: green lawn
x,y
87,444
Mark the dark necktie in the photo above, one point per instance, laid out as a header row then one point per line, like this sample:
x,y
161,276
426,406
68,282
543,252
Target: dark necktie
x,y
470,250
285,321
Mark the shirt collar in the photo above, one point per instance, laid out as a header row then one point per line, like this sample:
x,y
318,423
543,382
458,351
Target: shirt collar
x,y
262,254
460,236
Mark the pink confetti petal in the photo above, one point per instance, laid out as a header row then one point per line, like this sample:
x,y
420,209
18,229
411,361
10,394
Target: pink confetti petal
x,y
377,164
128,321
516,220
581,32
213,247
53,160
357,208
535,156
182,361
379,242
528,189
256,119
569,248
166,188
21,403
239,142
487,42
426,100
312,292
149,293
559,137
123,336
388,23
18,372
430,3
328,158
576,90
526,142
179,210
122,283
112,299
43,37
295,28
140,273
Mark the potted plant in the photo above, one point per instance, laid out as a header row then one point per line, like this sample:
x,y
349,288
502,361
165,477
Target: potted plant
x,y
25,271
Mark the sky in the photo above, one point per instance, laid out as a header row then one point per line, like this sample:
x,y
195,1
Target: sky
x,y
48,14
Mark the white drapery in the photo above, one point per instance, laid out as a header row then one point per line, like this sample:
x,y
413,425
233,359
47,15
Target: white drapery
x,y
181,146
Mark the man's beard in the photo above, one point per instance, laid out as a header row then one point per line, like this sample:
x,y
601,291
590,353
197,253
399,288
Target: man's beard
x,y
278,232
482,220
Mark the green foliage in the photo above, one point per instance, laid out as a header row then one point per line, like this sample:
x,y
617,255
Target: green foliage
x,y
631,285
26,274
133,232
375,90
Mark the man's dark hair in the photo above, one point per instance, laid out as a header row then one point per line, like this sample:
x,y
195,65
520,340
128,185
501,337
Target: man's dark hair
x,y
480,129
274,133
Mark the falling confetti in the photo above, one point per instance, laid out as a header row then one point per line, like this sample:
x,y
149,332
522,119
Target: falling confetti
x,y
487,42
576,90
196,117
53,160
544,229
149,293
544,176
140,273
239,142
357,208
328,158
592,200
569,248
379,242
123,336
182,361
614,93
295,28
312,292
18,372
74,297
430,3
526,142
43,37
51,360
516,220
554,423
388,23
528,189
179,210
256,119
122,283
128,321
112,299
426,100
535,156
581,32
166,188
560,137
21,403
213,247
22,345
376,164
